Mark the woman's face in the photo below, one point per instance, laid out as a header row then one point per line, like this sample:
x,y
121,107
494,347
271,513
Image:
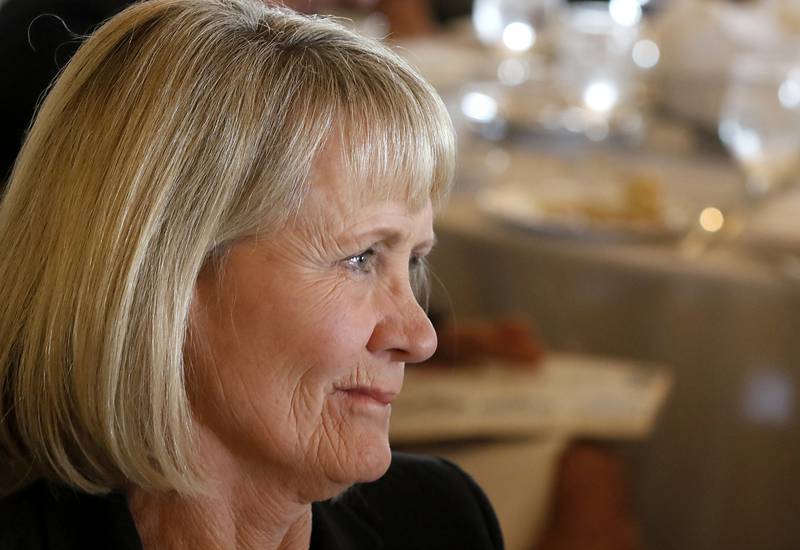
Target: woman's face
x,y
298,344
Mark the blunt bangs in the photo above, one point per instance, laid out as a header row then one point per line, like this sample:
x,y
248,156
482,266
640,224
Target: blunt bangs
x,y
398,140
396,137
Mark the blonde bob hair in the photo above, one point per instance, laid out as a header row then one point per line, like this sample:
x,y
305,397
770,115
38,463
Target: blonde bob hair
x,y
177,128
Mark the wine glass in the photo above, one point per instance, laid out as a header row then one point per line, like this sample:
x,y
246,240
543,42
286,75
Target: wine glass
x,y
759,124
596,73
759,120
513,25
515,30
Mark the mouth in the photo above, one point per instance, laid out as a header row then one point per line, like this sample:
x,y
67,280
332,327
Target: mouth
x,y
371,394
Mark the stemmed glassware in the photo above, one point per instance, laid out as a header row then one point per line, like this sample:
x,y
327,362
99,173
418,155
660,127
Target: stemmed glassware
x,y
512,26
516,33
595,70
759,124
759,120
564,67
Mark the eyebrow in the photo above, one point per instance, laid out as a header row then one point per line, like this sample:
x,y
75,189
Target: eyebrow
x,y
393,236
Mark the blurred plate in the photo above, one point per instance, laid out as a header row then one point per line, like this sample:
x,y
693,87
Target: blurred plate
x,y
603,212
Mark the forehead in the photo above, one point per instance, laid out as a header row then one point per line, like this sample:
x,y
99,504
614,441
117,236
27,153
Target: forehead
x,y
338,196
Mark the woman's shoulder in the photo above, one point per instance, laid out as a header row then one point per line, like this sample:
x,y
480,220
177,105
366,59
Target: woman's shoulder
x,y
426,502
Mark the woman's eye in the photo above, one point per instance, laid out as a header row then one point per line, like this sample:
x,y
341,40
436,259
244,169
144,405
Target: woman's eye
x,y
362,261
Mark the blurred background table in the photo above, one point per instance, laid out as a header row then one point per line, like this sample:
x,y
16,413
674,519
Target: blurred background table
x,y
538,439
718,470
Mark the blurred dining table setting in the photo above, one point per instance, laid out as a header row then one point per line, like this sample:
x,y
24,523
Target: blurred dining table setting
x,y
531,425
616,278
628,180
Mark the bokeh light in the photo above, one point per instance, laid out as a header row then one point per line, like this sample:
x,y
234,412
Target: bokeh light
x,y
518,36
600,96
712,219
646,54
513,72
627,13
789,93
479,107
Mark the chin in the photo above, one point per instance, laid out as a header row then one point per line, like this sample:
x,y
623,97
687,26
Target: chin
x,y
362,462
375,462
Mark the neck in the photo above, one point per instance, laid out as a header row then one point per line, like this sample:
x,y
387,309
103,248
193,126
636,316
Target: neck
x,y
169,521
243,508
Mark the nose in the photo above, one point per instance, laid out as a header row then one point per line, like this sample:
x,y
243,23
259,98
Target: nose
x,y
404,332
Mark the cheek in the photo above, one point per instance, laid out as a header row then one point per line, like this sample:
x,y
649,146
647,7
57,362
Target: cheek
x,y
275,351
343,329
323,316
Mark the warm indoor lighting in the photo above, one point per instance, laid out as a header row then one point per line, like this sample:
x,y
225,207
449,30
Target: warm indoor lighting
x,y
479,107
488,21
712,219
513,72
789,93
600,96
625,12
646,54
744,142
518,36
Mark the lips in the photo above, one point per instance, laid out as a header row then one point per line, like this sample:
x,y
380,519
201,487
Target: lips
x,y
379,395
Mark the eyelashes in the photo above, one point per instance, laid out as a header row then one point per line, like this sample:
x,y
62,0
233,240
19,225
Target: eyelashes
x,y
367,260
363,262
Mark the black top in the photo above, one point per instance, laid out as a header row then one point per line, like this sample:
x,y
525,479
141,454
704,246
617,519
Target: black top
x,y
421,503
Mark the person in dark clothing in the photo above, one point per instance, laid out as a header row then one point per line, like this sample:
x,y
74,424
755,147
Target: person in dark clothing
x,y
421,503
